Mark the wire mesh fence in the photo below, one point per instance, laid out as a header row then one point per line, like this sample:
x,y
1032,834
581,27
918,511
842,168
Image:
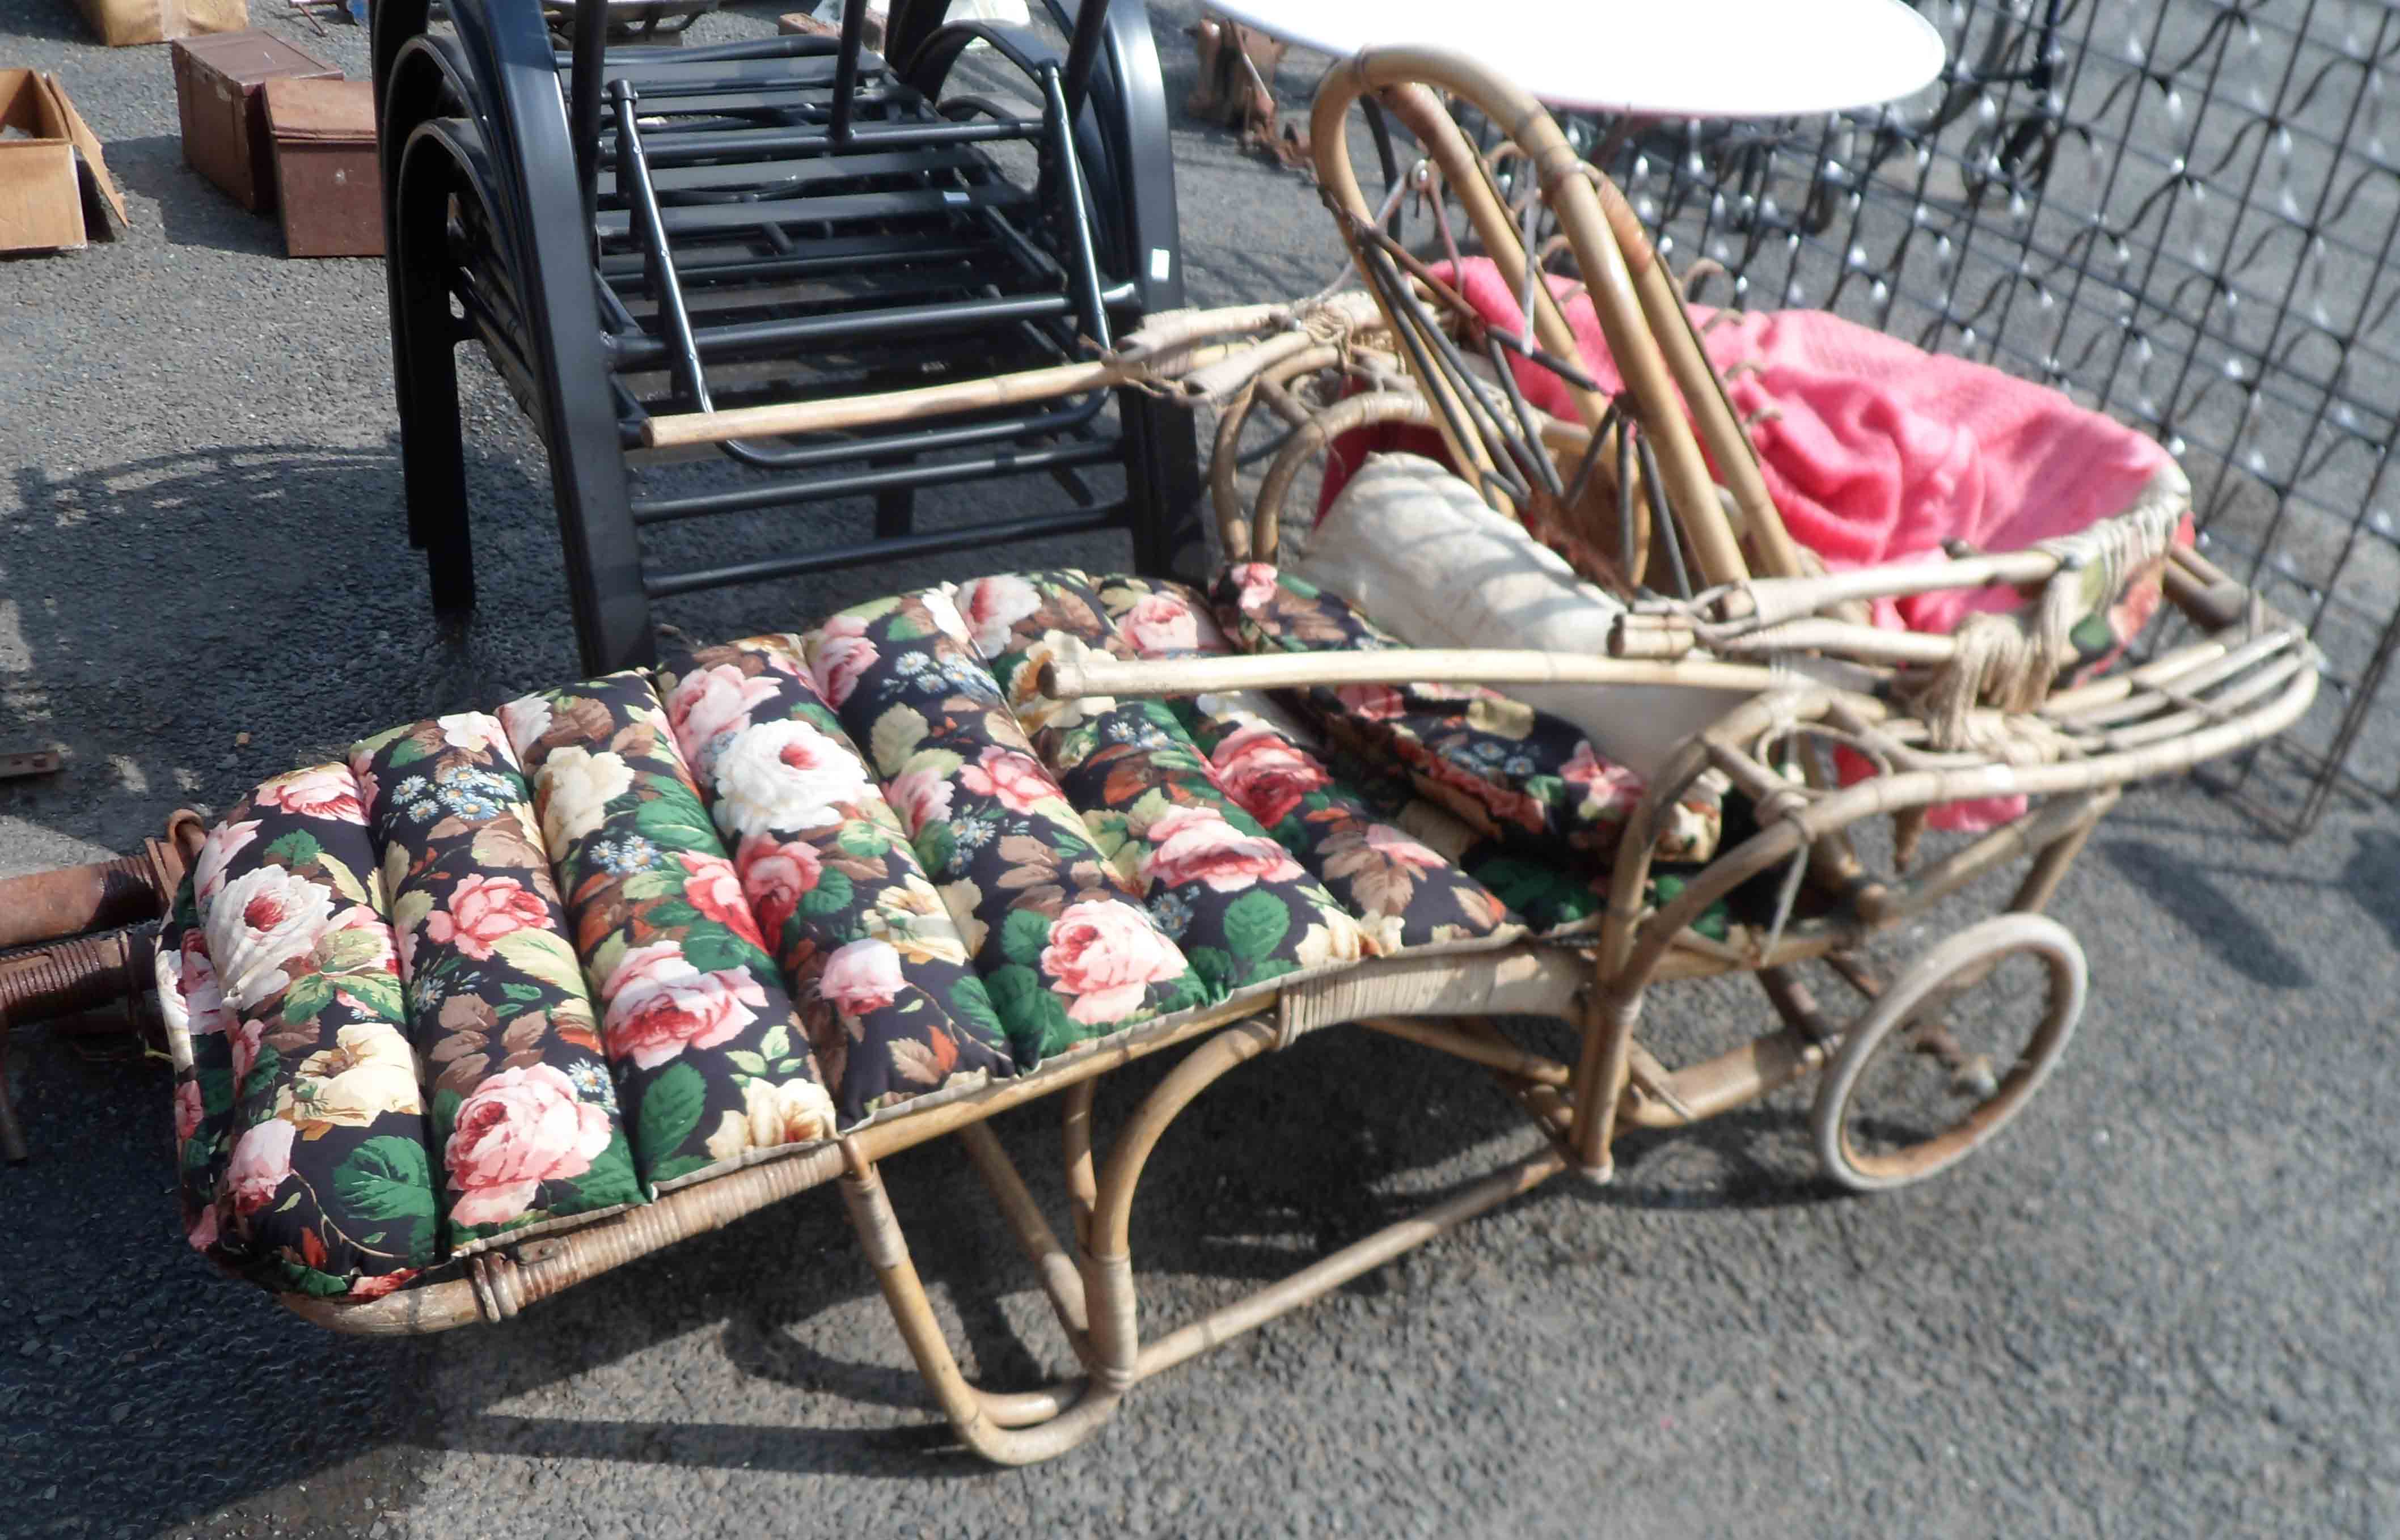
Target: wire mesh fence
x,y
2180,211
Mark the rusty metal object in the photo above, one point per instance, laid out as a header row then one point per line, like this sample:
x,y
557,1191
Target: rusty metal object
x,y
1238,66
71,970
67,977
63,979
103,895
73,900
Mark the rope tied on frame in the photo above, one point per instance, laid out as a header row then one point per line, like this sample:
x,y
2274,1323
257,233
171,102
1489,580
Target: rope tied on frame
x,y
2009,662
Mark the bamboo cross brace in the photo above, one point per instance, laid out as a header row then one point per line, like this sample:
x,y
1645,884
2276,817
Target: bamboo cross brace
x,y
1077,671
846,413
1167,346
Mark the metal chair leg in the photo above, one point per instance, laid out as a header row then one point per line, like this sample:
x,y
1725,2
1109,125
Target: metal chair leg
x,y
433,455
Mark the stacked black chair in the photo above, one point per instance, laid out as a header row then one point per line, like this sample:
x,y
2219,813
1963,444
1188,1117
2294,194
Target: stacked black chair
x,y
639,234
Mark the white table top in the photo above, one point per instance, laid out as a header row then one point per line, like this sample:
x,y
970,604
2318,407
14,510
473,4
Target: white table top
x,y
1653,57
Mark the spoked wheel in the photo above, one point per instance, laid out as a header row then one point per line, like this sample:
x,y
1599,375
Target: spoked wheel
x,y
1950,1051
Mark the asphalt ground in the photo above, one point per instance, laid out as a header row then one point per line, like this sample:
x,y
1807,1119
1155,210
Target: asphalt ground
x,y
2162,1305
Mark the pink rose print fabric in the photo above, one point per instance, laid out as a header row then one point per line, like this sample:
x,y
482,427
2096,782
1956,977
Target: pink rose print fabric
x,y
501,974
1519,777
711,1060
1404,893
1236,903
496,1001
880,973
199,1042
1046,914
302,1125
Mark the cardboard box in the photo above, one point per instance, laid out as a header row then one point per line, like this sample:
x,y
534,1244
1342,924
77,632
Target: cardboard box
x,y
55,193
325,172
122,23
217,82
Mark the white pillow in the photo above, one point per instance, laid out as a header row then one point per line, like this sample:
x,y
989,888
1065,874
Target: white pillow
x,y
1413,548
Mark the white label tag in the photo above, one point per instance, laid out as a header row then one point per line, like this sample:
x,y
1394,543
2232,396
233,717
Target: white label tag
x,y
1161,265
954,198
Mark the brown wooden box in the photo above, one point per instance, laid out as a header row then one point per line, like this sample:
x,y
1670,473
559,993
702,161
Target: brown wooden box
x,y
325,170
217,82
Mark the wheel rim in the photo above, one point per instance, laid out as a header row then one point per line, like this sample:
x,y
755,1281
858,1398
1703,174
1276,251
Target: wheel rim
x,y
1951,1052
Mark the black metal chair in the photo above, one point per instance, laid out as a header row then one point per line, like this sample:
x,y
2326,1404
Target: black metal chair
x,y
646,241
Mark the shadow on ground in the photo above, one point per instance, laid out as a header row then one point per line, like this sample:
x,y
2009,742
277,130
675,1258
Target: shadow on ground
x,y
1283,1163
192,211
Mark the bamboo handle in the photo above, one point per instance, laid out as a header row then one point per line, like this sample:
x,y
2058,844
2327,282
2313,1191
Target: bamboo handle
x,y
2216,605
1770,600
1077,671
889,406
1166,345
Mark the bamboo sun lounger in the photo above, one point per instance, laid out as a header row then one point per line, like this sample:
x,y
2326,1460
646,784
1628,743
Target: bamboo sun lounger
x,y
506,1000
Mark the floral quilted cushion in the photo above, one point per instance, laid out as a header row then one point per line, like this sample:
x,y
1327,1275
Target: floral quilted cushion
x,y
1403,893
199,1042
709,1055
322,1183
1514,774
1242,909
1410,870
524,1109
503,974
871,953
1064,949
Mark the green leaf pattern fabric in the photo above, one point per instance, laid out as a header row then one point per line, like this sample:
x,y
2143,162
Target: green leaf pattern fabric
x,y
524,1109
692,1009
1240,907
1404,892
1516,775
1066,953
199,1028
322,1085
501,973
868,949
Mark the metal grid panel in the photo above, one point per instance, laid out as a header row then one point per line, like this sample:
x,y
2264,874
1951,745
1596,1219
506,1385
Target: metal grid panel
x,y
2182,213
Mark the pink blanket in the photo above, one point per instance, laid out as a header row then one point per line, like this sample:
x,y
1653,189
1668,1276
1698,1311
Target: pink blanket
x,y
1876,451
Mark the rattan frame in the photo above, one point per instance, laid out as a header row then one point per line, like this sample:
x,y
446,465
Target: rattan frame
x,y
2253,675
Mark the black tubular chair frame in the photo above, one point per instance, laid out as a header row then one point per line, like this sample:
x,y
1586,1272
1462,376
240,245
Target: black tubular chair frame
x,y
493,148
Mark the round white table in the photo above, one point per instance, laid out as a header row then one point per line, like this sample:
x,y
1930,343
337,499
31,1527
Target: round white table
x,y
1642,57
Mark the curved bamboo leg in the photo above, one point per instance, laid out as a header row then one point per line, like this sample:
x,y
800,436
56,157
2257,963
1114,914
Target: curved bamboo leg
x,y
1608,1023
1059,1278
1062,1279
2049,867
982,1421
1224,491
1117,1338
1034,1425
1114,1327
1075,1139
